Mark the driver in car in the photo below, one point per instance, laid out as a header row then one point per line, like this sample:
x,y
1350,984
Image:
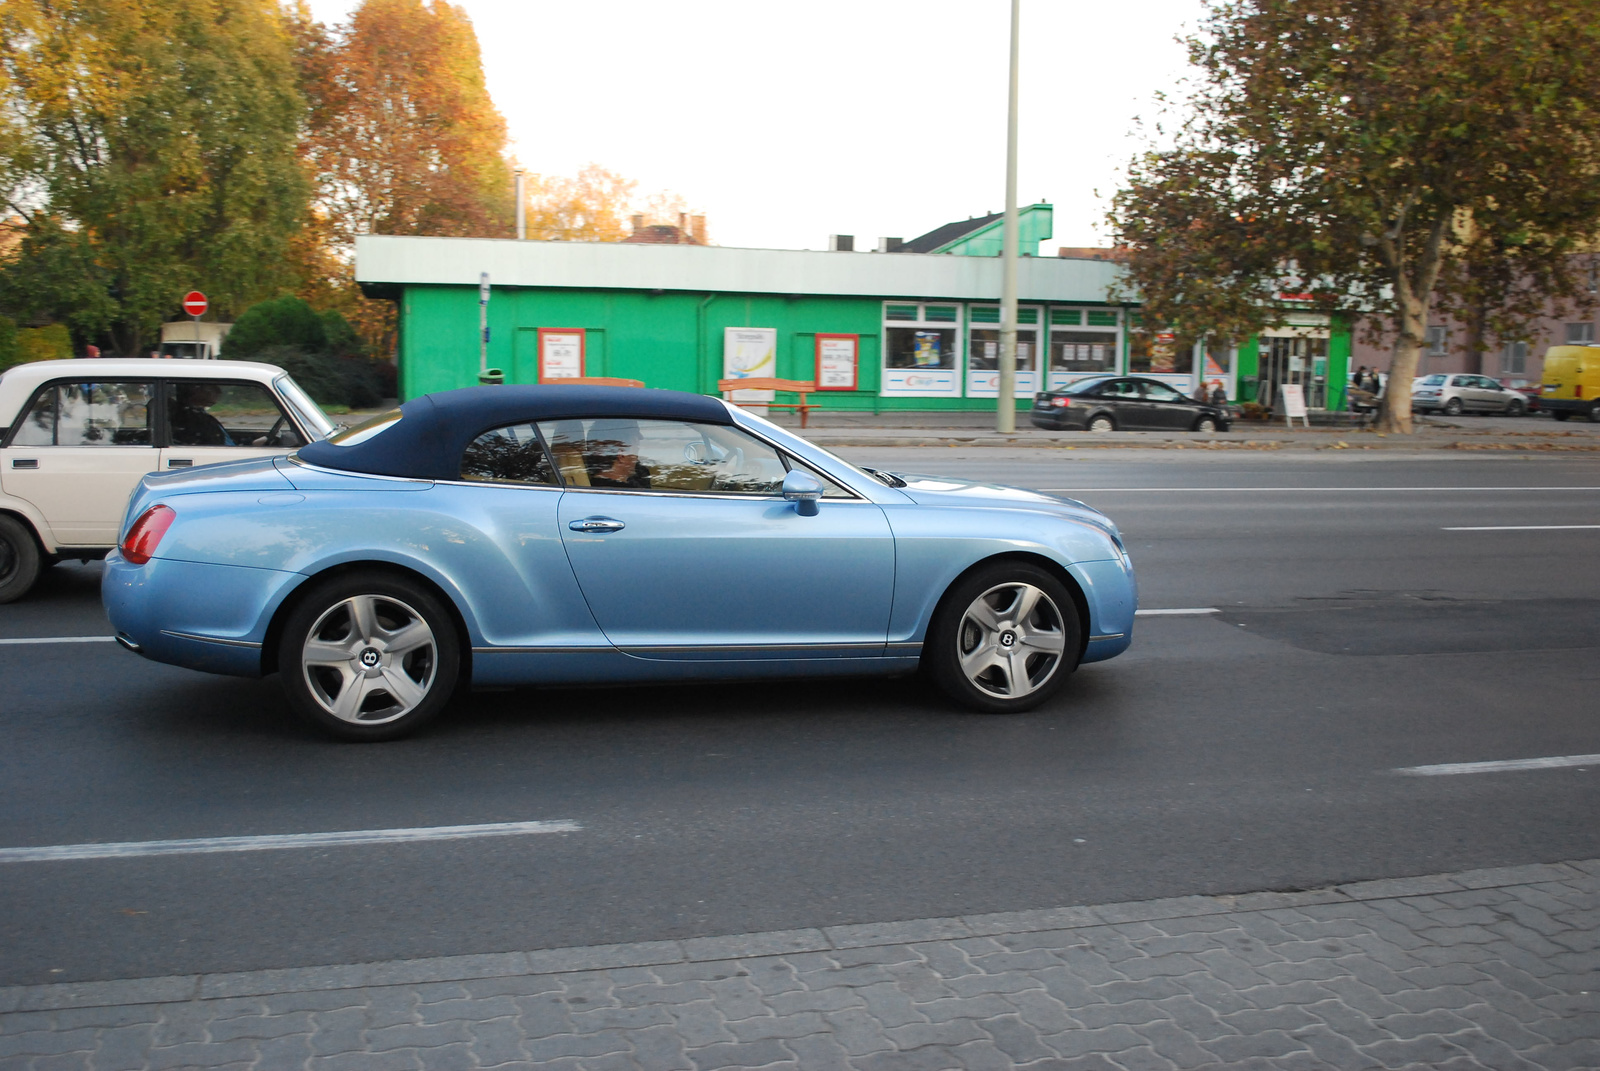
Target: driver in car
x,y
614,455
192,424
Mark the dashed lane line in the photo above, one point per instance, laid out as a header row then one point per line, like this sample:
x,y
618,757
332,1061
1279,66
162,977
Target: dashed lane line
x,y
1519,527
1445,769
1181,611
205,845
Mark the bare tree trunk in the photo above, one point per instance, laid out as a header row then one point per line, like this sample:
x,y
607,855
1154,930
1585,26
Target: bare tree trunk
x,y
1395,414
1477,328
1414,295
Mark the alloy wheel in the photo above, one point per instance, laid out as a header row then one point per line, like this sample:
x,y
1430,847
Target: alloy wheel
x,y
369,659
1011,640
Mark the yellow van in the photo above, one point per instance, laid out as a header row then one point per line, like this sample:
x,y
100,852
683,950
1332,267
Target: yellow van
x,y
1571,382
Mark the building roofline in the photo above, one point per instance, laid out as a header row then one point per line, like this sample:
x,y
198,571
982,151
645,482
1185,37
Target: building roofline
x,y
387,263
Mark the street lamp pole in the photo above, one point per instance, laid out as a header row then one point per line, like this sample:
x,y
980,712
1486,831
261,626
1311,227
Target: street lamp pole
x,y
1005,419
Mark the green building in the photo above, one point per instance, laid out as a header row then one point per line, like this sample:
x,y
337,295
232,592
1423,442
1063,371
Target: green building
x,y
915,328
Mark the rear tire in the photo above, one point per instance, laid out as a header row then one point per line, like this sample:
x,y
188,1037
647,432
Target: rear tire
x,y
1560,414
1452,407
369,656
1004,639
1101,422
19,560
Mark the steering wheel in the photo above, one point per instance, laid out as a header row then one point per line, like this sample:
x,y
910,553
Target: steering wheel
x,y
271,437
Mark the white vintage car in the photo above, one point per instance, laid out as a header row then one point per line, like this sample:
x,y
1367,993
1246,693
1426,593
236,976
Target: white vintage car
x,y
77,436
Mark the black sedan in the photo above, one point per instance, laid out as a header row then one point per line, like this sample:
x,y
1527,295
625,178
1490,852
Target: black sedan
x,y
1124,403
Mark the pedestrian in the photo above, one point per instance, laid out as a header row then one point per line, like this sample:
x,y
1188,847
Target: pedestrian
x,y
1219,397
1201,395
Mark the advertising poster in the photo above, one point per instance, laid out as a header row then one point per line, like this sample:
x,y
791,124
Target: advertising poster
x,y
750,353
837,360
560,353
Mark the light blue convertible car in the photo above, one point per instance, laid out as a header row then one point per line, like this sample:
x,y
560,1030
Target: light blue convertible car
x,y
564,534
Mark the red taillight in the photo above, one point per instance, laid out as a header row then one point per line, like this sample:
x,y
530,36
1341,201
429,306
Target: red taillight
x,y
1577,390
145,533
1061,403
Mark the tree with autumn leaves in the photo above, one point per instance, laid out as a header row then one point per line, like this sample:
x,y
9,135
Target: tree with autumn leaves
x,y
145,146
1389,157
237,144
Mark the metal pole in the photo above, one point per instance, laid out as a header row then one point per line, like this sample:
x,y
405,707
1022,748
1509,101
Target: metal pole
x,y
1005,417
483,324
522,208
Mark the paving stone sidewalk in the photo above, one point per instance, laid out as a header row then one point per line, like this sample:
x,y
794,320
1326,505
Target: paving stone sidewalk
x,y
1482,969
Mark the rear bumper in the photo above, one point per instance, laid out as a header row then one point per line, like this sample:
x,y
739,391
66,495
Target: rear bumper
x,y
1056,419
207,617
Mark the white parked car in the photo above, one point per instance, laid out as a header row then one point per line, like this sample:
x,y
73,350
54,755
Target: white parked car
x,y
1453,395
77,436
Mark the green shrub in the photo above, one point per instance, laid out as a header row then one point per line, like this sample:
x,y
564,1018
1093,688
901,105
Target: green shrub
x,y
285,321
9,353
357,382
28,344
342,338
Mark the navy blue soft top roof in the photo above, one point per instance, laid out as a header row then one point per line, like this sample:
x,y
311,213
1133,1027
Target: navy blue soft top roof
x,y
433,431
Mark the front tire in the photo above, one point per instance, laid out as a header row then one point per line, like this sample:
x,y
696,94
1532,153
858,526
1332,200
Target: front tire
x,y
1004,639
1206,423
369,656
1516,409
1594,413
19,560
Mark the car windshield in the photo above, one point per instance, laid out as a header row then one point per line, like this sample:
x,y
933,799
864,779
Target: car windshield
x,y
309,412
1432,381
366,429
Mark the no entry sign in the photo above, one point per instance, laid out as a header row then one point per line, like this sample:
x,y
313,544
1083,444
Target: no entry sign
x,y
194,303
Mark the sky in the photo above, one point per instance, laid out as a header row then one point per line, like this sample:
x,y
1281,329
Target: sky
x,y
785,123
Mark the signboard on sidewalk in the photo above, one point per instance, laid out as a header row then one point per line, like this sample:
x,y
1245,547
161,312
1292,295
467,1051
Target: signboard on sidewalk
x,y
838,357
1293,396
560,353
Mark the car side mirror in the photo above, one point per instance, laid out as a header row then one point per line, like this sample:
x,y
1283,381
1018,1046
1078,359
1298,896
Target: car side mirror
x,y
804,490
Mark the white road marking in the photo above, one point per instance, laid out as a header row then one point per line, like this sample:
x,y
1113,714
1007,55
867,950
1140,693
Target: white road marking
x,y
1211,490
1182,611
1552,763
131,849
1520,528
61,639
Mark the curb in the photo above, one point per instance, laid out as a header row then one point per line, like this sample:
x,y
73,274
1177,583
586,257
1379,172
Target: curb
x,y
197,987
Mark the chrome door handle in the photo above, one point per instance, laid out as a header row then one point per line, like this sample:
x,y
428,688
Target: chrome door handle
x,y
179,462
596,524
24,462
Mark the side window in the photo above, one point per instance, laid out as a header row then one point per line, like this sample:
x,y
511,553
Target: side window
x,y
507,455
1160,392
1120,388
211,412
662,455
87,414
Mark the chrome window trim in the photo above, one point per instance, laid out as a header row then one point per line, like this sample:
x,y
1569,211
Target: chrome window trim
x,y
296,459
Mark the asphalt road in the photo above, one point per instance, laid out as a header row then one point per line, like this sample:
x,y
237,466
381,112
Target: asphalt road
x,y
1253,748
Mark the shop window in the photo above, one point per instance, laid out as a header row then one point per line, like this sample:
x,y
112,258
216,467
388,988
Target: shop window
x,y
1083,342
1514,358
1161,354
983,351
921,344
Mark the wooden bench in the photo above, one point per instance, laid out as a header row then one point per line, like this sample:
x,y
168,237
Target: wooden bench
x,y
801,387
596,381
